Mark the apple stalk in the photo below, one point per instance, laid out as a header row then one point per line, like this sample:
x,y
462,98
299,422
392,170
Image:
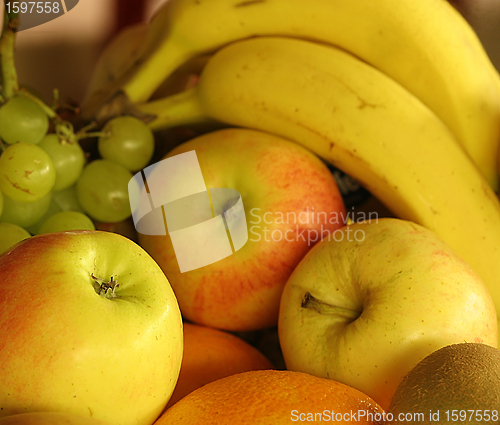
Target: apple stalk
x,y
323,307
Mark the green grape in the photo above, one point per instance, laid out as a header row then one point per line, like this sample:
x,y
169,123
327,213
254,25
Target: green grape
x,y
22,120
24,214
102,191
67,220
11,234
68,159
1,203
26,172
53,209
127,141
67,199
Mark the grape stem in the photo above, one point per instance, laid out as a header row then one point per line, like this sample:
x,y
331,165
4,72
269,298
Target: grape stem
x,y
9,74
63,128
85,135
85,132
46,108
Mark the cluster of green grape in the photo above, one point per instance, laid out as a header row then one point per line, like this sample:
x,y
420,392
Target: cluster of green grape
x,y
47,184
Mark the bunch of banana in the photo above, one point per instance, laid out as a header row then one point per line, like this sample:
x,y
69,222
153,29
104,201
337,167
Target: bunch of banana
x,y
396,93
424,45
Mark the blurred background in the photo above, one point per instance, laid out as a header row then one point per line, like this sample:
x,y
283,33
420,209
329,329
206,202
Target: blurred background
x,y
484,16
61,53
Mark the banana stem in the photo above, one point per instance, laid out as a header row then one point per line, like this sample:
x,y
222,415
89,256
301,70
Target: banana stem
x,y
173,111
143,84
140,82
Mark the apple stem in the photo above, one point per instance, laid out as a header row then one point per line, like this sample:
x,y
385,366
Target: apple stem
x,y
324,308
104,289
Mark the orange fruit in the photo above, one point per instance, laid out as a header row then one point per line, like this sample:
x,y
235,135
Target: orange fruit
x,y
211,354
273,397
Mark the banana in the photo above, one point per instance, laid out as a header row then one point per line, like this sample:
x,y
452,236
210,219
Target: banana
x,y
359,120
425,45
183,77
118,57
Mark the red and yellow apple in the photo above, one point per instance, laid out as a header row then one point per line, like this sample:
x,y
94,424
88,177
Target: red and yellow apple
x,y
290,201
89,325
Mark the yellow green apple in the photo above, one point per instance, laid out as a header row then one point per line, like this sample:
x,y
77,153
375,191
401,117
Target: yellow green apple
x,y
365,308
290,200
89,325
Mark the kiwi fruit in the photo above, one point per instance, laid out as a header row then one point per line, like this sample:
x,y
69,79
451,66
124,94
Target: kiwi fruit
x,y
457,384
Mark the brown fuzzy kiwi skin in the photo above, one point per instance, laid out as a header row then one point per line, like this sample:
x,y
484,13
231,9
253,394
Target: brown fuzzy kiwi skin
x,y
460,377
